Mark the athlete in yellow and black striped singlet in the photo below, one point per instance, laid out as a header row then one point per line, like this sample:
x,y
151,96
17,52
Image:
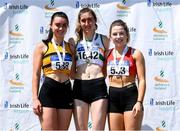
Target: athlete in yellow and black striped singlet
x,y
51,63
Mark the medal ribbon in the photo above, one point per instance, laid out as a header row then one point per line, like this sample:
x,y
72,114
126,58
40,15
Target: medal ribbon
x,y
86,47
123,54
61,59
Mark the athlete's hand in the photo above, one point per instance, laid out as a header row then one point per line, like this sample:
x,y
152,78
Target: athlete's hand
x,y
37,108
138,108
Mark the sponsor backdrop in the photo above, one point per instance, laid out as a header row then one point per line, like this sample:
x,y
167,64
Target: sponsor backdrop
x,y
154,29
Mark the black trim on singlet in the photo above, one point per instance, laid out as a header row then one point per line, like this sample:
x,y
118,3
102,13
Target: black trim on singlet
x,y
96,36
48,65
47,48
129,50
102,41
132,51
53,53
45,55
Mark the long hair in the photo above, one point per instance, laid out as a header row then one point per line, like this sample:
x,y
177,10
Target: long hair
x,y
119,22
78,30
50,34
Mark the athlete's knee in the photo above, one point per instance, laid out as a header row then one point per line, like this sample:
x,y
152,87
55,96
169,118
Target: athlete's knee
x,y
81,126
98,127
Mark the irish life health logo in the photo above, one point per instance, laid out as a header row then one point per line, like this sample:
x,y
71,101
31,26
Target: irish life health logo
x,y
16,8
159,4
19,58
79,4
163,105
23,105
160,54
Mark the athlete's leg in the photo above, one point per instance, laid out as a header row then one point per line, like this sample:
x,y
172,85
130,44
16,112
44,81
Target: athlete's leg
x,y
81,114
64,118
49,119
116,121
98,112
131,122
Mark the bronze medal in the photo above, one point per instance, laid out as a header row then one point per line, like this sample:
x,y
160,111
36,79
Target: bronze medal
x,y
119,76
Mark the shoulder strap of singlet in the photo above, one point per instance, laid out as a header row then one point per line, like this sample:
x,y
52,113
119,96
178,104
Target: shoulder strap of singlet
x,y
101,36
109,52
47,45
132,50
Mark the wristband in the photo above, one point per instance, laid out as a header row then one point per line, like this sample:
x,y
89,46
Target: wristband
x,y
140,102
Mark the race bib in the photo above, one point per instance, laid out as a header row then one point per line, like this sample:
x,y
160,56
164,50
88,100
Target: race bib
x,y
65,65
88,55
57,65
118,70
